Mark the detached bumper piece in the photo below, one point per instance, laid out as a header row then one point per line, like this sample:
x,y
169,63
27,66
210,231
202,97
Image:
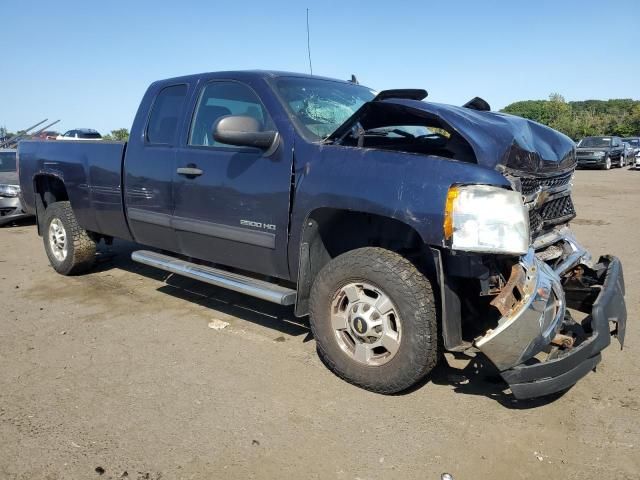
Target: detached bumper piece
x,y
560,351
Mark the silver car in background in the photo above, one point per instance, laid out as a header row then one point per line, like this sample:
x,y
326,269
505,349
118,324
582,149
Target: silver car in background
x,y
10,207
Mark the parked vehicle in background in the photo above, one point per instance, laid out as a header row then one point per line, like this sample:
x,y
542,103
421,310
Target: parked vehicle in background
x,y
600,152
634,142
10,206
48,135
396,240
80,134
629,154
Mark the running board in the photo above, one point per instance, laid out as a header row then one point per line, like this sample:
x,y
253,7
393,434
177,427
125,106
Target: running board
x,y
220,278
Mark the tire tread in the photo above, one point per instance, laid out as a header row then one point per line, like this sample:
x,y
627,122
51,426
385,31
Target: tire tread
x,y
82,248
414,286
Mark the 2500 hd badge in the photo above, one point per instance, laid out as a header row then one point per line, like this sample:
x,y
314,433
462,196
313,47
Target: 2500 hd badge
x,y
250,223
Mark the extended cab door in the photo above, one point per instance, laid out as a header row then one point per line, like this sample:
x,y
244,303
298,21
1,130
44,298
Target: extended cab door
x,y
232,203
149,168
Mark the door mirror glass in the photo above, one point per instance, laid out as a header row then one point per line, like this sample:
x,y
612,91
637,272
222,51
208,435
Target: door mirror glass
x,y
243,131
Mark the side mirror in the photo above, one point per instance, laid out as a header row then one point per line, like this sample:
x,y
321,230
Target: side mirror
x,y
242,131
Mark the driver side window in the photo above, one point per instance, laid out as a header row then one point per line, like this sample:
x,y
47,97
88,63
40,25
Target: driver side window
x,y
219,99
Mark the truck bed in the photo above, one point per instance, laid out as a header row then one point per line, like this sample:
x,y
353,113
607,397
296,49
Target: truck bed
x,y
91,172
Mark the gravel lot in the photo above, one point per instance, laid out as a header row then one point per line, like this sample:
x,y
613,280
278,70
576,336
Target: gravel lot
x,y
118,371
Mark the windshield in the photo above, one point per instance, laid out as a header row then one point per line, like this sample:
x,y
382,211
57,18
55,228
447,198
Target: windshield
x,y
595,142
632,141
321,106
7,161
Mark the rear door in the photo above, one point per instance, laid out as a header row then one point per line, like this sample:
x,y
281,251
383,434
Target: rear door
x,y
235,212
150,165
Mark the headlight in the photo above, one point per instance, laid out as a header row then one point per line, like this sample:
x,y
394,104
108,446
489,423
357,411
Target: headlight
x,y
9,190
481,218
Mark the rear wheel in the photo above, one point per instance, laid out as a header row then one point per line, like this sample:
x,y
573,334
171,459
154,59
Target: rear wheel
x,y
69,247
374,320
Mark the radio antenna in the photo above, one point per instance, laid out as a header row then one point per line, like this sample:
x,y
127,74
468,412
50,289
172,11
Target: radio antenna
x,y
309,44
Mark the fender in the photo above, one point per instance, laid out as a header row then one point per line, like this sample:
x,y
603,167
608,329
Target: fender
x,y
410,188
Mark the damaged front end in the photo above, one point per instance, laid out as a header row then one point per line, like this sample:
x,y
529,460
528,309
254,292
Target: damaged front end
x,y
537,344
514,282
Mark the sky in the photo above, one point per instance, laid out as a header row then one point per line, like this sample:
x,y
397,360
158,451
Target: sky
x,y
89,63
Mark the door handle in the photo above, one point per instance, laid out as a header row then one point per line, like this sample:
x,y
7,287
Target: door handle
x,y
189,171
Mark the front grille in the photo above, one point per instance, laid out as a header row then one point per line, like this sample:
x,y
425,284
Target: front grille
x,y
557,208
535,222
531,185
553,212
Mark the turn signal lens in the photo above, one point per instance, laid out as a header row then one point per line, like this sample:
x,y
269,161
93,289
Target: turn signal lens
x,y
452,194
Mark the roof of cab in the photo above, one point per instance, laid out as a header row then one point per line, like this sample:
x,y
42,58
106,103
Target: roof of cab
x,y
246,75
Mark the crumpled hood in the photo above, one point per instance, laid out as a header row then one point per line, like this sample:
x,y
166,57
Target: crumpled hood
x,y
9,178
498,140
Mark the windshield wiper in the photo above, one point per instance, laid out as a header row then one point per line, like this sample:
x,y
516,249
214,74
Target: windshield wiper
x,y
384,133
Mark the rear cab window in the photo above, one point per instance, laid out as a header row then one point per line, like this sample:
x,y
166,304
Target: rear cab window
x,y
165,115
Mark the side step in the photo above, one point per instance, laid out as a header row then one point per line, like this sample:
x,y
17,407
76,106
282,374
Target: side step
x,y
220,278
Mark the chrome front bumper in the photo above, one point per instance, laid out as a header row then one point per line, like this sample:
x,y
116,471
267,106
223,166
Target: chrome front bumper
x,y
533,308
533,321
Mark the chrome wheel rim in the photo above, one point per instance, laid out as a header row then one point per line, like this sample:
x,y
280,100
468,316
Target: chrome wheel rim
x,y
366,323
58,239
608,163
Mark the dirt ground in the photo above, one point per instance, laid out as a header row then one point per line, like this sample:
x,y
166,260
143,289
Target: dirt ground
x,y
116,374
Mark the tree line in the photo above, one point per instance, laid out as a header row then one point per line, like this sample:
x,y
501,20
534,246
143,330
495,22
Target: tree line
x,y
583,118
121,134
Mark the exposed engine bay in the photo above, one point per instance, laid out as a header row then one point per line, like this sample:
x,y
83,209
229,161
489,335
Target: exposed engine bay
x,y
393,127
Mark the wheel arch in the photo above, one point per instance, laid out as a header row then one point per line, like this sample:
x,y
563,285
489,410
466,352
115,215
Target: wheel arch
x,y
47,188
329,232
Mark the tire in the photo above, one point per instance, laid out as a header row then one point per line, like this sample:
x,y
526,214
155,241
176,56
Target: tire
x,y
70,249
414,352
607,163
622,162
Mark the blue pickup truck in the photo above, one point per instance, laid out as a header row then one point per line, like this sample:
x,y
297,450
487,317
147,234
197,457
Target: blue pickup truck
x,y
403,228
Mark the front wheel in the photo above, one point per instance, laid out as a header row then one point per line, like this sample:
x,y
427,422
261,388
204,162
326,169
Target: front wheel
x,y
69,247
374,319
623,161
607,163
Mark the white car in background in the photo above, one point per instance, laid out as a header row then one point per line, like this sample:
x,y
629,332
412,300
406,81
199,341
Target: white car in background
x,y
80,134
635,145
